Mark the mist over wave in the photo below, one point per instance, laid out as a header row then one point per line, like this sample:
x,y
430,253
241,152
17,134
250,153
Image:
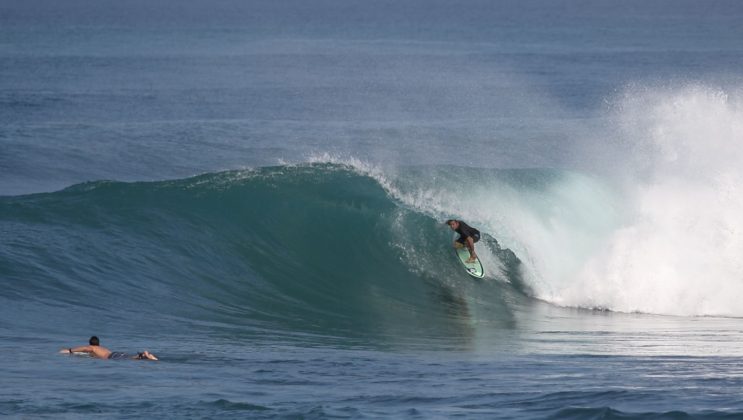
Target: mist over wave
x,y
678,249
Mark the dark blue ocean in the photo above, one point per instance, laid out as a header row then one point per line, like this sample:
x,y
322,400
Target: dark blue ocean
x,y
255,192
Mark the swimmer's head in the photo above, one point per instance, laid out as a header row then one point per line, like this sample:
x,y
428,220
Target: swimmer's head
x,y
94,341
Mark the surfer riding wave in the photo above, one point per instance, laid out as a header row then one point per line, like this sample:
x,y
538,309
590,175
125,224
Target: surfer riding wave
x,y
467,237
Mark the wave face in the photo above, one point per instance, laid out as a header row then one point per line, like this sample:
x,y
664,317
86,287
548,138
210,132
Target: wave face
x,y
318,248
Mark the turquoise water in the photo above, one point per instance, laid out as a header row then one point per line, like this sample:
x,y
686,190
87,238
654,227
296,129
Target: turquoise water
x,y
255,192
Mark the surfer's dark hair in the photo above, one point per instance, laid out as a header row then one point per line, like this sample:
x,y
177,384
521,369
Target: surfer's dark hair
x,y
94,341
449,221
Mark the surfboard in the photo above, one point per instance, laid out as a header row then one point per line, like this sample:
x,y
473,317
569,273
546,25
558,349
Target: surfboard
x,y
473,269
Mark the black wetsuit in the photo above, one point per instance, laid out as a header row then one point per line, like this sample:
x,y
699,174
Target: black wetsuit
x,y
466,231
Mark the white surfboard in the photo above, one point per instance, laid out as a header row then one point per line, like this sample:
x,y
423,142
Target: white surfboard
x,y
473,269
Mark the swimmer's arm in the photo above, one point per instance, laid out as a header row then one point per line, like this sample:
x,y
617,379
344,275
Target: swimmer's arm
x,y
81,349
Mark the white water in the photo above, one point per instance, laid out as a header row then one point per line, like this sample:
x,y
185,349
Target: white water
x,y
668,239
680,249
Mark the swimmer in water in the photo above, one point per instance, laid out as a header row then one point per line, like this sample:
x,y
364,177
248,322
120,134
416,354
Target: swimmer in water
x,y
96,350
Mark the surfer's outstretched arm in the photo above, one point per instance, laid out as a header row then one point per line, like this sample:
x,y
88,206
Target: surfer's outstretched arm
x,y
81,349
